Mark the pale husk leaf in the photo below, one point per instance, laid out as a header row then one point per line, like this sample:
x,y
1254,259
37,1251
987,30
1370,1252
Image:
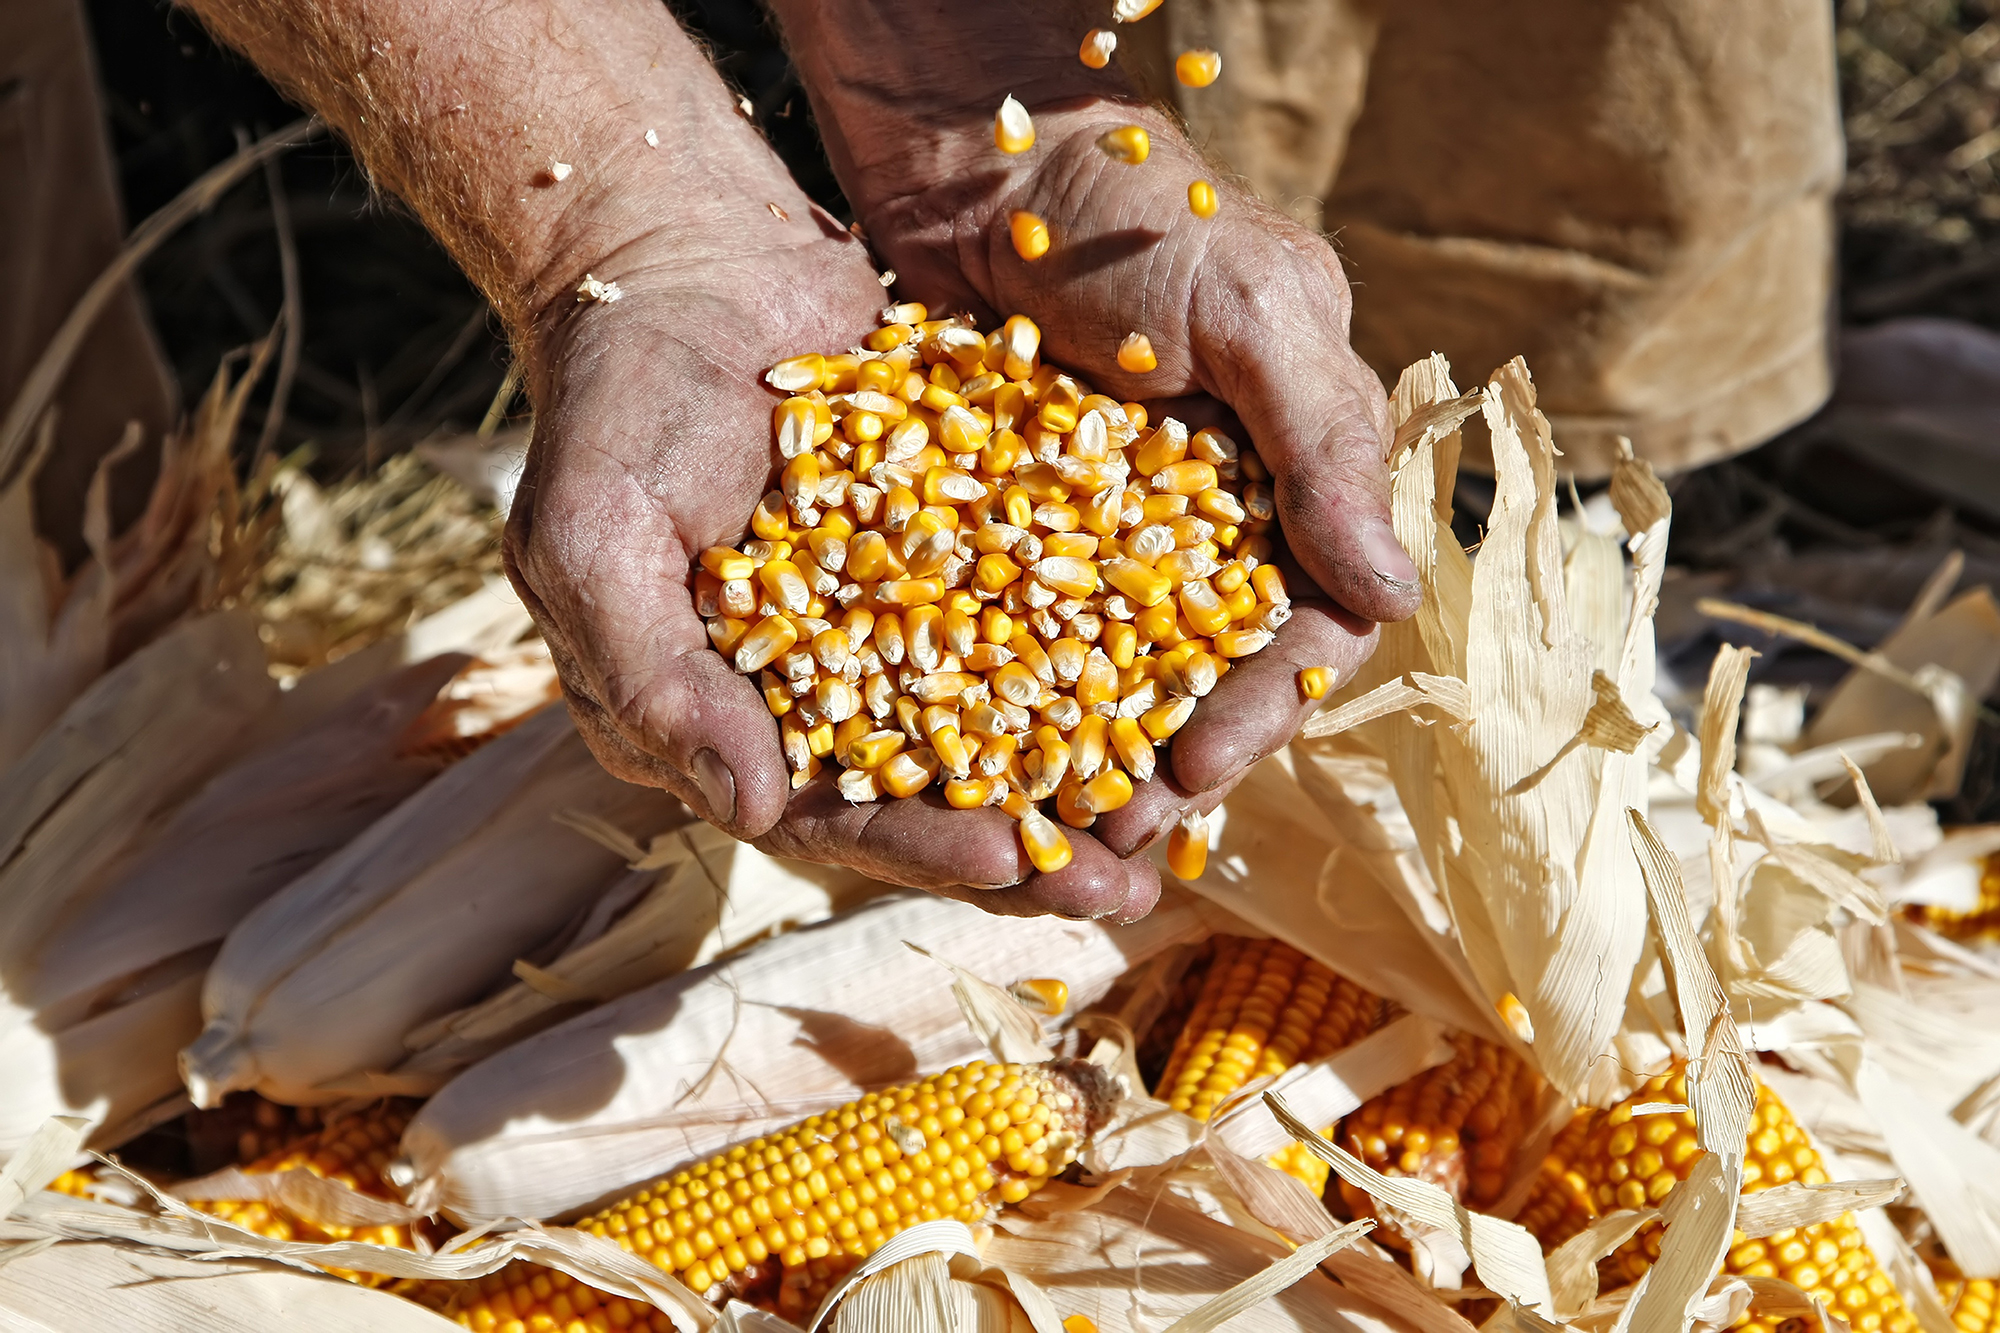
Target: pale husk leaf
x,y
421,914
670,1073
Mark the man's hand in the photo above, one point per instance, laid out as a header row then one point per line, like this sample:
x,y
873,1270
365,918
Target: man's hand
x,y
1246,309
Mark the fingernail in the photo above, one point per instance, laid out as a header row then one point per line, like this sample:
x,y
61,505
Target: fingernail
x,y
718,786
1386,555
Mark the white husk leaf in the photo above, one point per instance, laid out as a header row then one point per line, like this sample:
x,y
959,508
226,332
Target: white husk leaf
x,y
711,896
668,1074
421,914
88,1287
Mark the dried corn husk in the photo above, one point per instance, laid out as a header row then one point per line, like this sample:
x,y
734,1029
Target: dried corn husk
x,y
88,1287
700,896
424,912
640,1085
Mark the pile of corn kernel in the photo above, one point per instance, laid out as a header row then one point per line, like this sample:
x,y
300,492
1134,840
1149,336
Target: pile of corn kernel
x,y
975,570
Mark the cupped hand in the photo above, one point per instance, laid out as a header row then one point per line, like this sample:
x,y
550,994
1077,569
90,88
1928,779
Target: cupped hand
x,y
653,443
1246,309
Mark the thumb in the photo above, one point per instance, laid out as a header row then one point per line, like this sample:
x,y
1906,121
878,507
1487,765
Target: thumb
x,y
1319,420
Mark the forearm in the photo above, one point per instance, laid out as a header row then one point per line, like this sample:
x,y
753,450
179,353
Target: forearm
x,y
906,91
465,110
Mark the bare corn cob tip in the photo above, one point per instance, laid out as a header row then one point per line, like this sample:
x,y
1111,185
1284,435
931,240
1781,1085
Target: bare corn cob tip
x,y
1982,922
1013,129
976,572
1314,682
1135,354
1128,144
1030,235
1187,847
1198,68
1202,199
1262,1008
1098,44
1605,1160
352,1150
1458,1125
779,1220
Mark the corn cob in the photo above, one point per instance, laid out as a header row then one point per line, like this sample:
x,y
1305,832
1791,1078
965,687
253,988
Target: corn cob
x,y
1262,1008
522,1297
974,571
352,1150
1606,1160
805,1206
1457,1125
1982,922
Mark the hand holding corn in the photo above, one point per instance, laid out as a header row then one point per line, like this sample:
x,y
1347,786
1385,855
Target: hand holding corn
x,y
1091,230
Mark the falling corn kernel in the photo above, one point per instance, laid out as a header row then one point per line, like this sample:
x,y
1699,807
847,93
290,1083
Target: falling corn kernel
x,y
1135,354
1045,995
1030,235
1202,199
1315,682
1187,847
1128,143
1079,1323
1013,129
1098,44
1198,68
1131,11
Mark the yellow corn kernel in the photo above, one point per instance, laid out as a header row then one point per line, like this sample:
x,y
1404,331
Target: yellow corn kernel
x,y
1144,586
1047,847
1187,847
1202,199
1106,792
1314,682
1020,506
1067,575
1120,642
911,592
995,625
770,520
994,572
838,375
1198,68
1188,477
1128,144
1133,748
1060,406
1135,354
820,738
769,639
884,338
1020,344
795,424
962,432
777,696
1098,681
1017,684
1070,545
908,772
1069,808
1241,642
1231,577
1240,603
1089,745
1164,508
1098,44
1219,505
1203,607
1002,450
878,376
1270,584
967,793
1159,623
725,563
796,374
1166,719
1013,130
1030,234
867,557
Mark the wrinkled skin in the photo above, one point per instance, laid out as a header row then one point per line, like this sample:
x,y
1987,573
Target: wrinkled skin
x,y
654,443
